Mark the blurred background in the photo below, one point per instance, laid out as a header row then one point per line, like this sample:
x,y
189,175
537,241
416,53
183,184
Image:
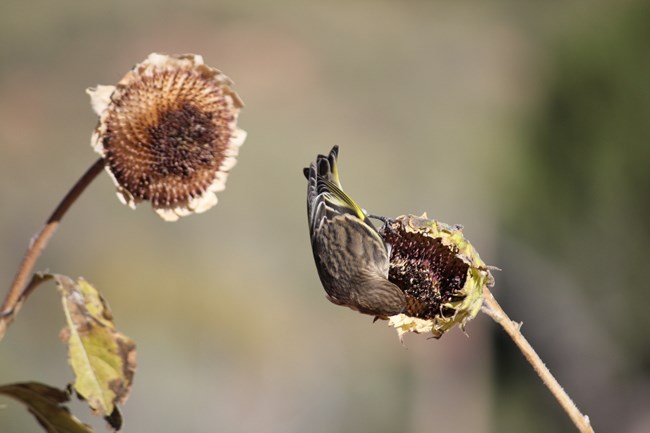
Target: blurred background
x,y
526,123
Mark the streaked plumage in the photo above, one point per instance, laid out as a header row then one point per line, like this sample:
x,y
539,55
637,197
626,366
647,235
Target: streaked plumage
x,y
351,258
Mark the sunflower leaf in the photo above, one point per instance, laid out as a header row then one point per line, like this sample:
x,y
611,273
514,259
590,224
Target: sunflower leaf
x,y
45,403
103,360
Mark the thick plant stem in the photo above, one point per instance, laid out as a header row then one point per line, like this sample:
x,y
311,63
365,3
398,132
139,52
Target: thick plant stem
x,y
19,288
492,308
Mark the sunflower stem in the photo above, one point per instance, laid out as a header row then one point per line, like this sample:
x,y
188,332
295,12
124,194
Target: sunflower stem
x,y
492,308
20,289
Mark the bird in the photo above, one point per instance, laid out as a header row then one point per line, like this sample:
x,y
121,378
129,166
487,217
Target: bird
x,y
351,257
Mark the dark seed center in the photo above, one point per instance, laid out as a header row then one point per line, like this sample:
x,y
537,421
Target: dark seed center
x,y
182,140
428,271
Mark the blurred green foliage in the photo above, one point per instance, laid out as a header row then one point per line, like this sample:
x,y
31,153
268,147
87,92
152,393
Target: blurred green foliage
x,y
585,198
587,190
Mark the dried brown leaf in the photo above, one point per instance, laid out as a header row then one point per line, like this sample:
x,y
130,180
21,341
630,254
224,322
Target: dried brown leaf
x,y
45,403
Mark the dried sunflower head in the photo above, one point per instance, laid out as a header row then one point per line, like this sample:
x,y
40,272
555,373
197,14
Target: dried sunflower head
x,y
168,133
440,272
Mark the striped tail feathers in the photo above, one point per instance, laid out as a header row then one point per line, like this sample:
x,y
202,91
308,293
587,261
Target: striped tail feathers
x,y
325,194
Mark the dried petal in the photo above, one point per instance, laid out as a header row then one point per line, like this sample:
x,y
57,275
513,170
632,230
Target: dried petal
x,y
168,133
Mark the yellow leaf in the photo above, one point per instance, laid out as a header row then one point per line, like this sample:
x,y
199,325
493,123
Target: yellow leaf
x,y
102,359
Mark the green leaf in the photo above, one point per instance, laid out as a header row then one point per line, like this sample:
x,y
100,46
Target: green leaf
x,y
44,402
102,359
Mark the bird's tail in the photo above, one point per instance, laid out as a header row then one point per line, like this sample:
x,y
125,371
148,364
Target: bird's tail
x,y
325,196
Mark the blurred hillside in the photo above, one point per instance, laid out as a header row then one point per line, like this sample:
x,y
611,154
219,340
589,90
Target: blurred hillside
x,y
526,123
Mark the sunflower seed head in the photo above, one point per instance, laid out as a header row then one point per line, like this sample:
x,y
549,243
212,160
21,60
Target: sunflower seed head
x,y
440,272
168,133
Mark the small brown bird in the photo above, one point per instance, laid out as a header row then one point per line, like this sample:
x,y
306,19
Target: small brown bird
x,y
351,258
